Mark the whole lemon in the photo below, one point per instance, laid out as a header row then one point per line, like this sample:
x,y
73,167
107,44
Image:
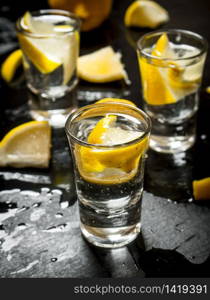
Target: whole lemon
x,y
92,12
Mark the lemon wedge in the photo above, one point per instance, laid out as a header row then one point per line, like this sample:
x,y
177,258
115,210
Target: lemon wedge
x,y
101,66
201,189
43,53
110,165
156,89
10,65
27,145
208,89
164,80
144,13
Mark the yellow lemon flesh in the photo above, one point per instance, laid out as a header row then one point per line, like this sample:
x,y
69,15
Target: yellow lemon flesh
x,y
101,66
145,13
10,65
92,12
27,145
110,165
39,51
165,81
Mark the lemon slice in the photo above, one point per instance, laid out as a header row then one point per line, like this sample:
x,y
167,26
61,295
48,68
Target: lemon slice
x,y
27,145
208,89
43,53
101,66
115,100
10,65
156,89
201,189
145,14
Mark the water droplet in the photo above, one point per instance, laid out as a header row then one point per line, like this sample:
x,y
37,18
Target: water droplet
x,y
64,204
36,204
22,226
59,215
169,200
203,137
190,200
51,228
57,228
1,227
54,259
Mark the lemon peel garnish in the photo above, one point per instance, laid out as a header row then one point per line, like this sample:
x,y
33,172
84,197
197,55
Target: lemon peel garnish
x,y
11,64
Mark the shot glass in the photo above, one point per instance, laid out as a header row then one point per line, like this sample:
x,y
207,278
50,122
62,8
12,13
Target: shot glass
x,y
171,66
49,40
108,144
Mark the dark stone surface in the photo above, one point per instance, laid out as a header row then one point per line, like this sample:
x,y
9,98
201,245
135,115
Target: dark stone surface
x,y
39,227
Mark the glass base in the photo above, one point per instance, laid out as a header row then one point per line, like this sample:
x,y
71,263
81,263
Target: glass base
x,y
110,237
56,118
167,144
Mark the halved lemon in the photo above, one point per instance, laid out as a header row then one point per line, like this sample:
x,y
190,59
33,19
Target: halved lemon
x,y
27,145
201,189
144,13
101,66
10,65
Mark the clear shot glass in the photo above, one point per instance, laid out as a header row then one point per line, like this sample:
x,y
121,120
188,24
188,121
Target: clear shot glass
x,y
49,40
171,66
108,144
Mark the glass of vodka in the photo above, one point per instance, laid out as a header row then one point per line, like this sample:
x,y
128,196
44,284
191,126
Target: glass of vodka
x,y
171,66
108,144
49,40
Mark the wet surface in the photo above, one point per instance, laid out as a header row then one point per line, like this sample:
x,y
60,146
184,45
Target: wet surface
x,y
39,223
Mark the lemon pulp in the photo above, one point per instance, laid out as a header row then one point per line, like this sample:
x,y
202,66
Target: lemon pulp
x,y
103,65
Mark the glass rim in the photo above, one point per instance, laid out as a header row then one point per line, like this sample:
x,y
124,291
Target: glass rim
x,y
79,111
172,31
61,12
